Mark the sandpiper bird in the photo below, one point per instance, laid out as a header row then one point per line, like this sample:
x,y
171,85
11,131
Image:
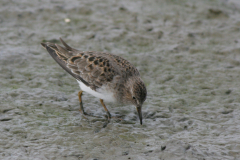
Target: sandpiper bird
x,y
103,75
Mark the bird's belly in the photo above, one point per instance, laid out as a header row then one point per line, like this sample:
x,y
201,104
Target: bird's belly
x,y
102,93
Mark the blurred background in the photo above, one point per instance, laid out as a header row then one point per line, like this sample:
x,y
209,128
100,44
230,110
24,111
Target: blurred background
x,y
187,52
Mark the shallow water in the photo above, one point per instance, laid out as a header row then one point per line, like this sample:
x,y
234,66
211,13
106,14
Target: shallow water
x,y
187,52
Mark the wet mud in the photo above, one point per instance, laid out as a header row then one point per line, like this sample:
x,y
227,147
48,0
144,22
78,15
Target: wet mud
x,y
188,54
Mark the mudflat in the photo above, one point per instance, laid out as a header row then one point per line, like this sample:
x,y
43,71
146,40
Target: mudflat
x,y
188,55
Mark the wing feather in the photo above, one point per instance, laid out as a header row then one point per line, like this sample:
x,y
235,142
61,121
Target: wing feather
x,y
92,68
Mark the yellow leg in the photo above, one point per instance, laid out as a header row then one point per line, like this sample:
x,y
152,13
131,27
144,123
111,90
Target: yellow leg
x,y
108,113
80,102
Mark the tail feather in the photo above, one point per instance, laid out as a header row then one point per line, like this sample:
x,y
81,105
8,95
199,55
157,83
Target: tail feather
x,y
67,46
63,51
61,55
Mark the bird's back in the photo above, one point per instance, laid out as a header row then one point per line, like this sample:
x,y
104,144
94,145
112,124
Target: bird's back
x,y
94,69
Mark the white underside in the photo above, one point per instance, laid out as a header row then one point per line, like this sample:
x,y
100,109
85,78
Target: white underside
x,y
101,93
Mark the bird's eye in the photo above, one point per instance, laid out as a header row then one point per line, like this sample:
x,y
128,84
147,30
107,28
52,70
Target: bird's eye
x,y
134,97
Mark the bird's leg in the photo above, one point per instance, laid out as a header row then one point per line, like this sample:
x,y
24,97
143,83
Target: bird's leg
x,y
80,102
81,106
108,113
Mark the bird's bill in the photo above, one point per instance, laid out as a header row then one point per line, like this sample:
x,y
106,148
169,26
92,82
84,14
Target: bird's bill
x,y
139,110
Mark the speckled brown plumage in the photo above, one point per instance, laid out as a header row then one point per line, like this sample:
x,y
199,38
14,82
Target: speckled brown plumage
x,y
99,70
95,68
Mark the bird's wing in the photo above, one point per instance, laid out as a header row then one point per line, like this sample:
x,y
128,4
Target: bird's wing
x,y
92,68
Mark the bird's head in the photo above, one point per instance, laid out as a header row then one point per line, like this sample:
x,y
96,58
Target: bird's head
x,y
136,94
